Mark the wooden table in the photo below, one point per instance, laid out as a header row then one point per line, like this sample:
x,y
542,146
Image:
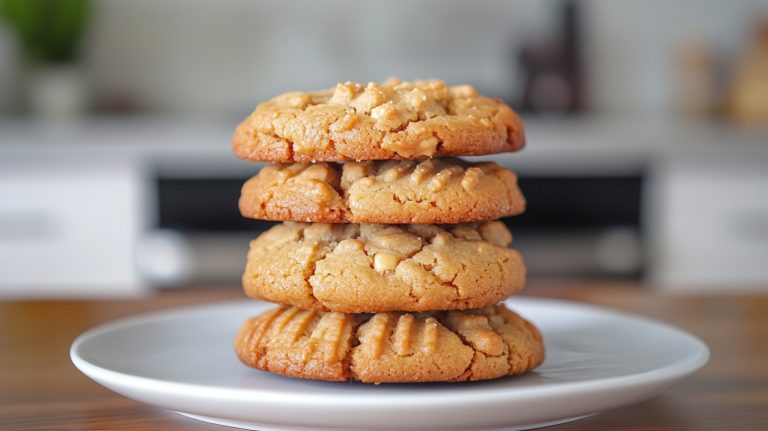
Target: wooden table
x,y
41,390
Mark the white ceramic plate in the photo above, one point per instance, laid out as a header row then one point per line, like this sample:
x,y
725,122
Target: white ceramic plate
x,y
183,360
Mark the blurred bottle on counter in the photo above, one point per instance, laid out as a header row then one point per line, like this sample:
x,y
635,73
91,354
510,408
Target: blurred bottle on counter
x,y
698,85
551,68
748,98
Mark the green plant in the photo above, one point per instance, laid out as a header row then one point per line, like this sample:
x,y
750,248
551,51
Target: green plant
x,y
49,31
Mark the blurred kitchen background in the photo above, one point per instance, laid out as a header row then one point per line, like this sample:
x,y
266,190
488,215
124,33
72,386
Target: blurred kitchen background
x,y
647,123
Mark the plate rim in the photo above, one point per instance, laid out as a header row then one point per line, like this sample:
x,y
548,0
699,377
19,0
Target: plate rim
x,y
670,372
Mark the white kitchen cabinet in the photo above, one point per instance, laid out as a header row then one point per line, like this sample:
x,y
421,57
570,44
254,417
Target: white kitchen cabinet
x,y
708,220
68,228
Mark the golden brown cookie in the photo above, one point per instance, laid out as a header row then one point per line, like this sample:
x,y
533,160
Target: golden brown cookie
x,y
378,268
392,120
446,346
434,191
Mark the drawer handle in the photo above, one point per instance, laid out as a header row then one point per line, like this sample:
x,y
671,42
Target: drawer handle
x,y
749,224
27,225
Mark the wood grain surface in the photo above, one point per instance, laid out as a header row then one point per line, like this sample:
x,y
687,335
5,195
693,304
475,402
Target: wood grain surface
x,y
40,389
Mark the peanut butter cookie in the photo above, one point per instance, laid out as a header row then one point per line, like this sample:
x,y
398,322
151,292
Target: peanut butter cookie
x,y
378,268
392,120
445,346
444,190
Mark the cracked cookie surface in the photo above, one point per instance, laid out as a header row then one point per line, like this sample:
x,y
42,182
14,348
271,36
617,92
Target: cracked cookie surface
x,y
357,268
434,191
445,346
391,120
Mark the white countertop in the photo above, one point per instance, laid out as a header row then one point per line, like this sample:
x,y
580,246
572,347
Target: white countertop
x,y
201,148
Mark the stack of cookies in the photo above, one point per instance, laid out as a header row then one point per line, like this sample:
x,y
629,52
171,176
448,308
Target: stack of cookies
x,y
390,264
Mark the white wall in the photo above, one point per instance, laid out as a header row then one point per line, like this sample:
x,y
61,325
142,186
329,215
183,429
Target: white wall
x,y
633,45
204,57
